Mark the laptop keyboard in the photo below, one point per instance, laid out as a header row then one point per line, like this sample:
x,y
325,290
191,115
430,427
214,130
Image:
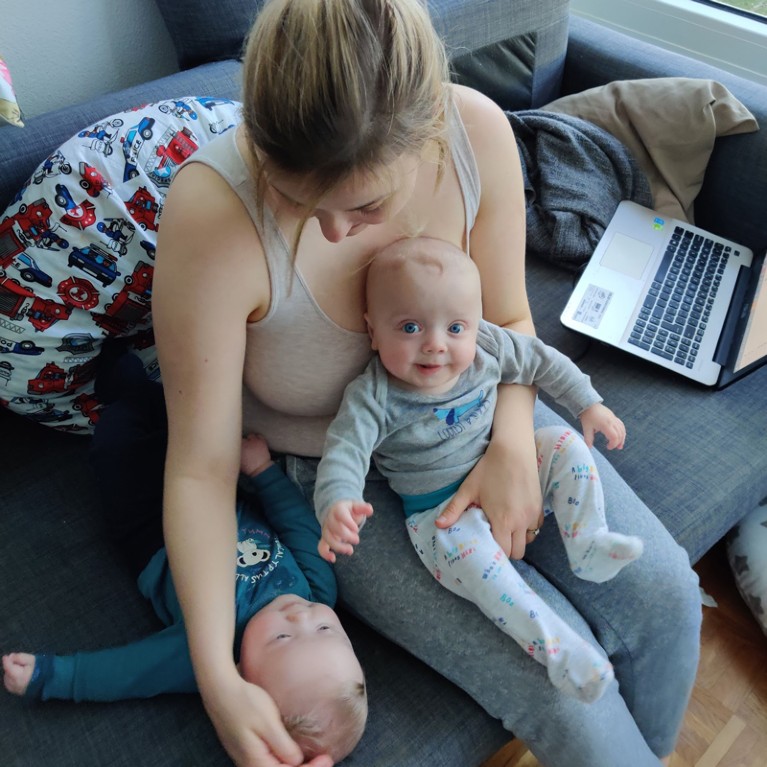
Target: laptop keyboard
x,y
677,307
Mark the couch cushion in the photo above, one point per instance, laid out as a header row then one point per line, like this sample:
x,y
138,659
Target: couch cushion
x,y
669,124
77,246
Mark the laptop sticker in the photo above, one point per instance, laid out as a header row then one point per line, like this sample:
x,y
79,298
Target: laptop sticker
x,y
592,306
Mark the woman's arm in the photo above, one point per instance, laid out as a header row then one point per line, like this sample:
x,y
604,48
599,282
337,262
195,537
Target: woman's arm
x,y
210,278
505,481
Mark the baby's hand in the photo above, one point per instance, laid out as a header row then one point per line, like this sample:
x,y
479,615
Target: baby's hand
x,y
254,455
17,671
342,528
599,418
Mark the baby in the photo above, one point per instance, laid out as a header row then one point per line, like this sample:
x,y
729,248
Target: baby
x,y
423,409
291,641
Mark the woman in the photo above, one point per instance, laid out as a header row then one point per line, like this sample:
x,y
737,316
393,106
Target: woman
x,y
351,139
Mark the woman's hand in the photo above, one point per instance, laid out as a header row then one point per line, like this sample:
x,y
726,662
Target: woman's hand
x,y
250,728
506,487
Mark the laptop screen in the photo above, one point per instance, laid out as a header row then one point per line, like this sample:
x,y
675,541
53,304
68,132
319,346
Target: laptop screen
x,y
753,346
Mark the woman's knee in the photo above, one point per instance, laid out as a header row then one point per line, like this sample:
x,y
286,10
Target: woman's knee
x,y
654,602
678,587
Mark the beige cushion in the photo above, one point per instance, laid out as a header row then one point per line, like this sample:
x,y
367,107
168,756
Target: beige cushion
x,y
669,124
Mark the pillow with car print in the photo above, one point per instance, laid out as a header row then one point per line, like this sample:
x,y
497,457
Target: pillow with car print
x,y
77,247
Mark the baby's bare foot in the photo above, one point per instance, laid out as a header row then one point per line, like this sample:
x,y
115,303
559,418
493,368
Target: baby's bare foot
x,y
255,456
17,671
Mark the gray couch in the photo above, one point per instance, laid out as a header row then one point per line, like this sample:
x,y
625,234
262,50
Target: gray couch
x,y
697,457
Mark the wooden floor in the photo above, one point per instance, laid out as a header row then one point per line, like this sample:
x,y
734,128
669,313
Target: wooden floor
x,y
726,722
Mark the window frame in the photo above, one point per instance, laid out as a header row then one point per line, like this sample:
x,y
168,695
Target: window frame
x,y
723,37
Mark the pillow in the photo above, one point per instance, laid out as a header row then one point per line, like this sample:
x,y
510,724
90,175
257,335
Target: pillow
x,y
747,553
10,114
669,124
77,247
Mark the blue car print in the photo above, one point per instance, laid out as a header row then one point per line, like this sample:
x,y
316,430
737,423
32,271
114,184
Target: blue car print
x,y
30,271
97,262
132,142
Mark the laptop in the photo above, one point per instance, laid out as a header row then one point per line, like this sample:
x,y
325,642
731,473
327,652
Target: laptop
x,y
675,295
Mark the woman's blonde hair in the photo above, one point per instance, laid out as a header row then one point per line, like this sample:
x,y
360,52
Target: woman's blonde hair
x,y
334,87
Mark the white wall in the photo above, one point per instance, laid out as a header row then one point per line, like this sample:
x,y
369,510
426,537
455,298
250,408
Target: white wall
x,y
63,52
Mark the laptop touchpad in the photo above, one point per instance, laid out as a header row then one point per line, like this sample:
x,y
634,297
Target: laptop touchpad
x,y
627,255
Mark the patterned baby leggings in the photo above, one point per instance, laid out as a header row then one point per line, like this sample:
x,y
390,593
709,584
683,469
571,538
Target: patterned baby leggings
x,y
466,559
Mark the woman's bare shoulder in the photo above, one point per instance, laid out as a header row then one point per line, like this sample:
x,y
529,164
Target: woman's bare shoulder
x,y
202,202
204,215
483,119
207,233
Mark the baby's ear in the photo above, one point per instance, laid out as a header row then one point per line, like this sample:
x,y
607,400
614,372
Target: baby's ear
x,y
371,331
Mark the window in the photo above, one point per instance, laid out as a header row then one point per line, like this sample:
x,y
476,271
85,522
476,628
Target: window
x,y
756,8
722,33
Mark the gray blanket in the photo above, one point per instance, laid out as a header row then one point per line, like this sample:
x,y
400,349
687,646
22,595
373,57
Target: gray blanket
x,y
575,174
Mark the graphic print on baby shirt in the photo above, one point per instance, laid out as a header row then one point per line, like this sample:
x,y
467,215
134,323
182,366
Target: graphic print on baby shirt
x,y
458,419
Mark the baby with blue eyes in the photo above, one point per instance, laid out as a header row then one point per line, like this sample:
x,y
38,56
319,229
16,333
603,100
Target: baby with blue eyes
x,y
423,411
293,649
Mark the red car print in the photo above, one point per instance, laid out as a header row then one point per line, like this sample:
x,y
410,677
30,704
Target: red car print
x,y
30,225
43,313
172,149
11,242
51,378
144,208
140,282
13,299
143,339
88,405
132,303
92,181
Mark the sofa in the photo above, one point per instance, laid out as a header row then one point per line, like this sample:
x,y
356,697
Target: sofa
x,y
696,456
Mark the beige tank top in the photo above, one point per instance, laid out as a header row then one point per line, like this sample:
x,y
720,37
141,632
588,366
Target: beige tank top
x,y
298,361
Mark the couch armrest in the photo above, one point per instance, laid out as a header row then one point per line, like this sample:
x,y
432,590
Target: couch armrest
x,y
734,194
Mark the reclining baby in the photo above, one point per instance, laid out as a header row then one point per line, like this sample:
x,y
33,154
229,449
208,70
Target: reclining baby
x,y
292,644
423,409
